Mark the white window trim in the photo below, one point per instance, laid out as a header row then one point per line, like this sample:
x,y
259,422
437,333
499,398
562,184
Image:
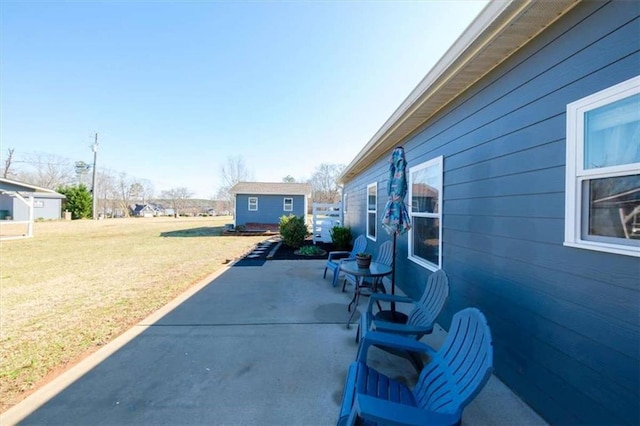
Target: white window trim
x,y
420,261
576,174
284,204
256,202
375,211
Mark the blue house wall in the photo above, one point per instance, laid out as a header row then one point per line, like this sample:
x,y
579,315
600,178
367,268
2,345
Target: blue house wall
x,y
47,205
565,321
270,208
45,208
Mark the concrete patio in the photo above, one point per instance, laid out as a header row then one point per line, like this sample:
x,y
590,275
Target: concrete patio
x,y
252,345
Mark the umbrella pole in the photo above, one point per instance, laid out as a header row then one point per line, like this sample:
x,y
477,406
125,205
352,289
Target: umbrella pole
x,y
393,278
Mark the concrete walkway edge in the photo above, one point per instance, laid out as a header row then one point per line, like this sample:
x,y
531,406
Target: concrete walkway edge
x,y
41,396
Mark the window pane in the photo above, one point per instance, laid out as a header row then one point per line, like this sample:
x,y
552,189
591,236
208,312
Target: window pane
x,y
371,224
253,203
371,198
612,134
426,234
424,190
613,208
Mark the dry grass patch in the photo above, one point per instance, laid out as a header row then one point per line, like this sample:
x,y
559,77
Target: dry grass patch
x,y
77,285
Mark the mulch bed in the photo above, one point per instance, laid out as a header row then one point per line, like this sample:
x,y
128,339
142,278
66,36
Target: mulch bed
x,y
287,253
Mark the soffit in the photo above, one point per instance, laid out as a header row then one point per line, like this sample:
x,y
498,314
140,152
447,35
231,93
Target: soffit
x,y
499,31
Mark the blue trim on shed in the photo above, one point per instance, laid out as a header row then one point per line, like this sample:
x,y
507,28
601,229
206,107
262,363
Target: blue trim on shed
x,y
565,321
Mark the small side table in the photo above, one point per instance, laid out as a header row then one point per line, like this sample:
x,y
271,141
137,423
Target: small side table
x,y
375,270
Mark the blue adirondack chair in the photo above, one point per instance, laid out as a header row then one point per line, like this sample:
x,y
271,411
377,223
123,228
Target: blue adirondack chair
x,y
421,318
385,256
456,373
335,257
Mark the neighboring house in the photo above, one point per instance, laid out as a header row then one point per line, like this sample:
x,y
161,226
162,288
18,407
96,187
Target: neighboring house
x,y
150,210
47,204
523,153
145,210
263,203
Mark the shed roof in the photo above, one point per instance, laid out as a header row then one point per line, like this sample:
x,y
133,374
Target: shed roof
x,y
500,30
8,185
271,188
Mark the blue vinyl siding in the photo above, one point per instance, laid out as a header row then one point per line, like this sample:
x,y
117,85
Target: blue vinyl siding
x,y
270,208
51,209
565,321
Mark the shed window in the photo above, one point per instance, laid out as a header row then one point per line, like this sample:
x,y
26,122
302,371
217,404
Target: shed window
x,y
253,204
288,205
602,206
372,210
425,196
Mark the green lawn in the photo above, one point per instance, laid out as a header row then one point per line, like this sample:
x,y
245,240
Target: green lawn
x,y
78,284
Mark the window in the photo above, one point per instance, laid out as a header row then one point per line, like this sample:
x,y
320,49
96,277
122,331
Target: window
x,y
425,199
38,203
288,205
253,204
372,210
602,205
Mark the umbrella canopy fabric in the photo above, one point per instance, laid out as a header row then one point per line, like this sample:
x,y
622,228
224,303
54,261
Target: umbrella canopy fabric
x,y
396,219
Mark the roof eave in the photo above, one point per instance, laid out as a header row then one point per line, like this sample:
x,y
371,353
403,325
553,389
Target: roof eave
x,y
500,30
29,186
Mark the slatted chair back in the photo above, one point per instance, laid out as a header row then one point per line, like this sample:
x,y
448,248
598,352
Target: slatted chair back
x,y
359,245
461,367
385,253
432,301
334,258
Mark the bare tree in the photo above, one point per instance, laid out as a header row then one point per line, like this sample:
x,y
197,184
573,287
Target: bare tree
x,y
7,162
107,193
178,197
324,183
232,172
123,186
136,192
48,171
147,190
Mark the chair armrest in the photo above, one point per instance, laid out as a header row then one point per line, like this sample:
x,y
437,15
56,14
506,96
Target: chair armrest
x,y
392,327
376,338
384,297
338,254
382,411
392,298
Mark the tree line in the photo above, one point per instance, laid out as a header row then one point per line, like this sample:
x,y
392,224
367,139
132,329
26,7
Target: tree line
x,y
117,192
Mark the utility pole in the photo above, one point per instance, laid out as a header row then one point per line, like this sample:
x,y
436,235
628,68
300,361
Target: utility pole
x,y
94,196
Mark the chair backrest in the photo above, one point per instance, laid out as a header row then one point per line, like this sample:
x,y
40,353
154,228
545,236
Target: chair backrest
x,y
428,308
385,253
359,245
461,368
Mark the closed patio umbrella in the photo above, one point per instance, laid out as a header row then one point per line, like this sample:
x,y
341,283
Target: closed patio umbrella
x,y
396,219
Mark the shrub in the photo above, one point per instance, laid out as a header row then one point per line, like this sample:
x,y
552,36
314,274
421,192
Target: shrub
x,y
311,251
78,201
293,230
341,237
